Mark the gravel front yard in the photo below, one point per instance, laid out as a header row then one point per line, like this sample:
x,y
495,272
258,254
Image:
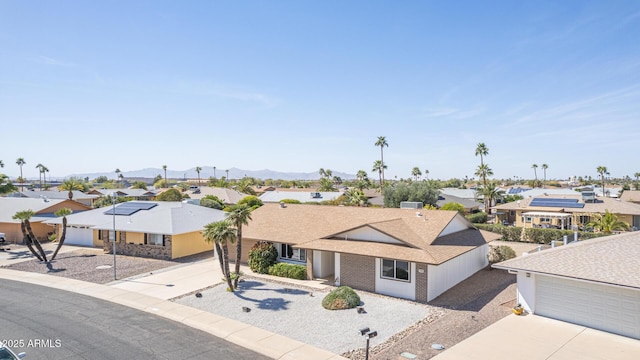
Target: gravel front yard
x,y
95,266
297,313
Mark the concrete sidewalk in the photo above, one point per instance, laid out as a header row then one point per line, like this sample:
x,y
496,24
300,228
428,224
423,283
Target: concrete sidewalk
x,y
250,337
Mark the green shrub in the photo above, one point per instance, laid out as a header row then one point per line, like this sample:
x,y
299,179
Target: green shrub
x,y
534,235
262,255
340,298
478,218
500,253
453,206
290,271
290,201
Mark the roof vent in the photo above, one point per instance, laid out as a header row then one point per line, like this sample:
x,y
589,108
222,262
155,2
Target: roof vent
x,y
282,205
418,214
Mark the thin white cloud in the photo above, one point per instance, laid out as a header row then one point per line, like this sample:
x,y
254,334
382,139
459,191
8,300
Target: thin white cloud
x,y
439,112
55,62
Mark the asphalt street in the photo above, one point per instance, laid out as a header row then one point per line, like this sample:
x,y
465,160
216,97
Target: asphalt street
x,y
50,324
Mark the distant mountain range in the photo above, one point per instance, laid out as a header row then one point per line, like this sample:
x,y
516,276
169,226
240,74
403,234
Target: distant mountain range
x,y
207,171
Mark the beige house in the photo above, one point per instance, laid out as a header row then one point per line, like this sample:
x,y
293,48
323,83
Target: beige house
x,y
43,210
564,211
407,253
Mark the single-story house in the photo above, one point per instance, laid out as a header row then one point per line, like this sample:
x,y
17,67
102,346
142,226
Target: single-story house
x,y
228,196
43,209
631,196
78,196
407,253
163,230
470,206
302,196
565,211
594,283
138,194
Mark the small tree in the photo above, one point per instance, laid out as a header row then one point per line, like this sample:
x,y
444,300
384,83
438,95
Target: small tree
x,y
607,223
170,195
221,233
212,201
251,201
261,256
500,253
453,206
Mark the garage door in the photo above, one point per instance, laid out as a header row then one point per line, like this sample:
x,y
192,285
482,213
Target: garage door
x,y
82,237
607,308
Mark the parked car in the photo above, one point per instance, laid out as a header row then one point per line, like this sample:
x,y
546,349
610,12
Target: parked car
x,y
7,354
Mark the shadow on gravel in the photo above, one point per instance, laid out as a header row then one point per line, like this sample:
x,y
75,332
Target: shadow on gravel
x,y
272,303
50,269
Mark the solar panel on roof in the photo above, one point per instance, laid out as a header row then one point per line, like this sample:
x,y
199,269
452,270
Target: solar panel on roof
x,y
130,208
551,202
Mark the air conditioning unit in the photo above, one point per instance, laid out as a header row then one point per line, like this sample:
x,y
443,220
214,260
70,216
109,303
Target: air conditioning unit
x,y
316,195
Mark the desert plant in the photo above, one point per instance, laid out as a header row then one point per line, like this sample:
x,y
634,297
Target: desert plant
x,y
290,271
500,253
262,255
341,298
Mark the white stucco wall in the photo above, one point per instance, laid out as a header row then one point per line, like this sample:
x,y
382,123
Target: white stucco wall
x,y
526,291
441,278
323,263
401,289
366,233
336,264
457,224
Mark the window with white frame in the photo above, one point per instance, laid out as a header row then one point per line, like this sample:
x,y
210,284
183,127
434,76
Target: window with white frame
x,y
112,235
395,270
154,239
287,252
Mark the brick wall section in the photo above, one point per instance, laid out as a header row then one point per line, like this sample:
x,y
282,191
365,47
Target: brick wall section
x,y
421,282
141,250
358,272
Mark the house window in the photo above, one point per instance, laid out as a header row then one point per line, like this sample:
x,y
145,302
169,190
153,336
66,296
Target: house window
x,y
112,235
545,220
155,239
584,219
287,252
395,270
512,213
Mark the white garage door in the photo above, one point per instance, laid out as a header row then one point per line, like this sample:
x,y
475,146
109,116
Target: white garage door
x,y
608,308
82,237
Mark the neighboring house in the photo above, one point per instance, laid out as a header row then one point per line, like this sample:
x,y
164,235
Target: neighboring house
x,y
565,211
163,230
469,194
43,209
631,196
548,192
412,254
594,283
137,194
374,197
78,196
302,196
261,189
470,206
228,196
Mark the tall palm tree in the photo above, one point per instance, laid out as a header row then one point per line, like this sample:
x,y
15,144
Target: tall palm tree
x,y
1,164
361,175
482,150
21,162
221,233
29,238
607,223
416,173
70,185
214,172
379,167
117,173
240,215
637,175
482,172
45,170
544,169
64,212
535,173
382,142
39,167
198,169
602,170
227,171
164,167
426,173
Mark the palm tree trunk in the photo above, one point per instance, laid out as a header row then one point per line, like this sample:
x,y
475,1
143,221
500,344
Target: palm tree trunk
x,y
219,252
238,256
225,251
27,241
61,240
35,241
382,161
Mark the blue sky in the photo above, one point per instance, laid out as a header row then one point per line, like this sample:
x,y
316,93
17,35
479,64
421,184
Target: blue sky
x,y
300,85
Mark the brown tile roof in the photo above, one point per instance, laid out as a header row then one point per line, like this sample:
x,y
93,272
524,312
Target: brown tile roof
x,y
612,260
631,195
318,227
615,206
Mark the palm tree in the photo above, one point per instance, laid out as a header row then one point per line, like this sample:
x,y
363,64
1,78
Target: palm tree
x,y
1,164
602,170
39,167
426,173
121,178
21,162
221,233
379,167
164,167
607,223
490,193
239,215
29,238
637,175
198,169
70,185
382,142
356,197
482,172
227,171
214,172
117,173
482,150
45,170
62,212
544,169
535,173
416,173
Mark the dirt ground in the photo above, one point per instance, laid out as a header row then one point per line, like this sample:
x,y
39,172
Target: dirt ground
x,y
472,305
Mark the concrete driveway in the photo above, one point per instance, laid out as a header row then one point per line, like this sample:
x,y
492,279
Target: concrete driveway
x,y
537,337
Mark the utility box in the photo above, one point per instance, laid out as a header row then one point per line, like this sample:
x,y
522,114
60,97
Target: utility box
x,y
411,205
